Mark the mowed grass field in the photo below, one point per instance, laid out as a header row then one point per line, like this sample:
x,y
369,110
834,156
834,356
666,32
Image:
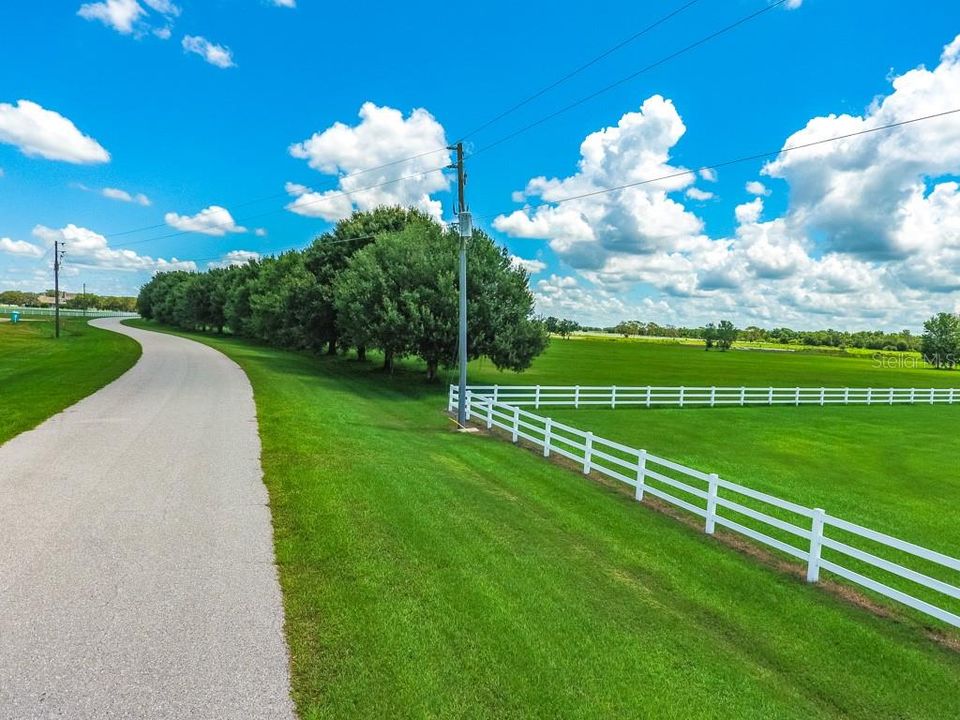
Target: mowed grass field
x,y
428,573
40,375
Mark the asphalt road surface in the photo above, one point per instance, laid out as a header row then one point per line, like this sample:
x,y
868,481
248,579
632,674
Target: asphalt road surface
x,y
137,575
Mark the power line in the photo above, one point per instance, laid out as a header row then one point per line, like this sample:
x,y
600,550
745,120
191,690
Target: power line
x,y
285,194
324,198
577,71
747,158
641,71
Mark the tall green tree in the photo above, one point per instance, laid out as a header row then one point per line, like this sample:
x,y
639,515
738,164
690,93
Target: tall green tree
x,y
400,295
940,343
726,334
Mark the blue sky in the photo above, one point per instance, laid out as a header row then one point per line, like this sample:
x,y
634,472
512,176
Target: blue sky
x,y
198,105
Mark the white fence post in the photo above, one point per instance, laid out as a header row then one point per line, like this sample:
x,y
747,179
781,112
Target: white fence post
x,y
713,395
681,395
588,454
816,544
891,396
547,436
613,398
932,391
469,404
576,397
770,397
496,393
846,396
950,397
743,395
489,413
516,424
823,392
641,474
797,398
450,405
913,395
536,400
869,395
712,505
649,391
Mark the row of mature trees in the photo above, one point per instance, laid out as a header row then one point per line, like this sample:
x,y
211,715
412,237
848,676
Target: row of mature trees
x,y
561,326
868,339
384,279
88,301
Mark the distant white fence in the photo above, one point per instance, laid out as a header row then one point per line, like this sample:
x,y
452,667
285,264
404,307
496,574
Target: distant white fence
x,y
64,312
614,396
715,499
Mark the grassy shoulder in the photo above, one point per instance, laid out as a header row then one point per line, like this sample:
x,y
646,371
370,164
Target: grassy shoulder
x,y
433,574
40,375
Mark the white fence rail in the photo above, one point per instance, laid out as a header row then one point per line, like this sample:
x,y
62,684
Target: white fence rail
x,y
64,312
614,396
810,535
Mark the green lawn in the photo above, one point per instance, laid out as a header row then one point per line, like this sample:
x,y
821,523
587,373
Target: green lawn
x,y
40,376
428,573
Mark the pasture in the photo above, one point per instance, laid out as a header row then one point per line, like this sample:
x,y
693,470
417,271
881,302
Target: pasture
x,y
40,376
431,573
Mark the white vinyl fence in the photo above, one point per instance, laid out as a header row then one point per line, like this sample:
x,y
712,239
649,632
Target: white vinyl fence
x,y
810,535
64,312
614,396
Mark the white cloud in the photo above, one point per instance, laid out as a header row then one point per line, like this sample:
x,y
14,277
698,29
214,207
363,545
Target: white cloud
x,y
698,194
755,187
637,220
124,196
870,237
86,248
164,7
20,248
284,3
217,55
793,4
531,266
164,33
382,137
214,220
39,132
708,174
260,232
121,15
235,257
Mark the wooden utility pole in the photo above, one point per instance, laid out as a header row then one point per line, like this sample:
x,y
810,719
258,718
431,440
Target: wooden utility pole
x,y
466,230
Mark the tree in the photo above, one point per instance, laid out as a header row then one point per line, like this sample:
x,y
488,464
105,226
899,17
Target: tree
x,y
329,256
726,333
940,343
400,295
565,328
709,336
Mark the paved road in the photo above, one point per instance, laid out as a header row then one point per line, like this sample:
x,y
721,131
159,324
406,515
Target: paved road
x,y
137,575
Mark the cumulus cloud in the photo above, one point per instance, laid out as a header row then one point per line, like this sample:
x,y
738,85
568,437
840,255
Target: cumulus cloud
x,y
637,220
698,194
870,237
235,257
86,248
121,15
383,137
284,3
164,7
531,266
20,248
124,196
214,220
39,132
218,55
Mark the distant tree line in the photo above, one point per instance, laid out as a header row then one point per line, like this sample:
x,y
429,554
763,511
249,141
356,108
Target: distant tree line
x,y
868,339
382,280
89,301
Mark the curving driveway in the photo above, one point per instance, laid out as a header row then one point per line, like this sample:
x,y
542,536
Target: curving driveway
x,y
137,575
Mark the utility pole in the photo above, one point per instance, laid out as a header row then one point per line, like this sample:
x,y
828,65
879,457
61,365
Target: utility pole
x,y
465,227
57,258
